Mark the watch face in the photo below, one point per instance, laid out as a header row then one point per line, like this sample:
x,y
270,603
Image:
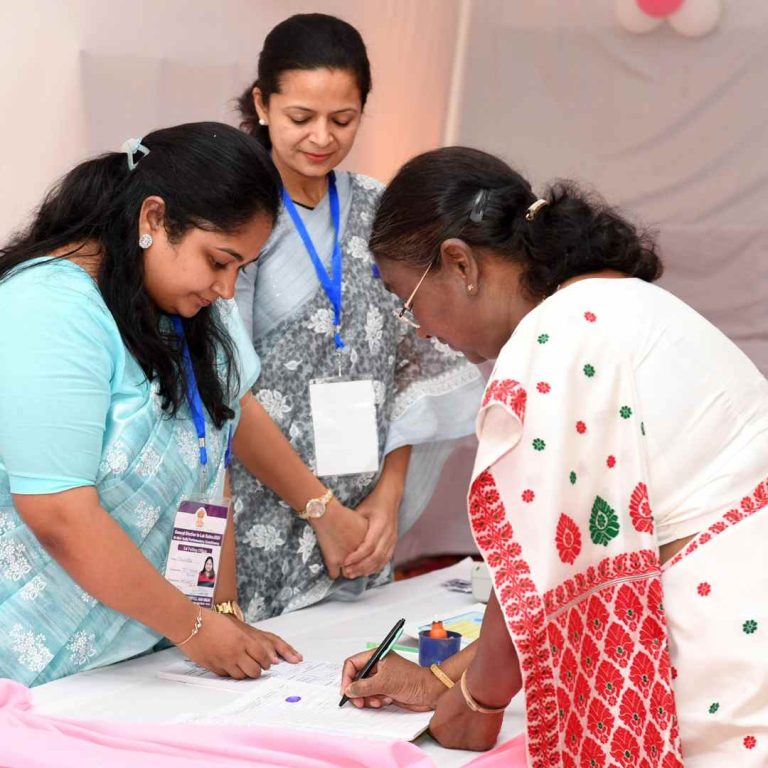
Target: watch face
x,y
315,508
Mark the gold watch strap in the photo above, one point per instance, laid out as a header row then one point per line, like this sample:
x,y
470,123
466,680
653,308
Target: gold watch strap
x,y
227,607
325,499
473,705
441,676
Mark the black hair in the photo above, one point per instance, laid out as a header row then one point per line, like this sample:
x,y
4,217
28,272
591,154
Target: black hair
x,y
305,41
210,176
438,196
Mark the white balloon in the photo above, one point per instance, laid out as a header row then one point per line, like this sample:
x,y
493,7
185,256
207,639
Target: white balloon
x,y
696,18
630,17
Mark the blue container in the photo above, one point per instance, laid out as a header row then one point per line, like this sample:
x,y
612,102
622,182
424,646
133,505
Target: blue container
x,y
433,650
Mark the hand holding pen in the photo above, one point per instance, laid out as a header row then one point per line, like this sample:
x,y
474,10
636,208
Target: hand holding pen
x,y
384,648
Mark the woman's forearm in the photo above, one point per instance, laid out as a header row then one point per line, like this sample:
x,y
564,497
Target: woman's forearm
x,y
265,452
100,556
493,676
391,482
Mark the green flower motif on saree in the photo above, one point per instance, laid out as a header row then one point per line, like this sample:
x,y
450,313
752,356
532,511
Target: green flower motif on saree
x,y
539,444
543,339
642,428
625,411
713,707
589,370
749,627
572,478
603,523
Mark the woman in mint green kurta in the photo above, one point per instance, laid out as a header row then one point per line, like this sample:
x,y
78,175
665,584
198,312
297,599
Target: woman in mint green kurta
x,y
97,444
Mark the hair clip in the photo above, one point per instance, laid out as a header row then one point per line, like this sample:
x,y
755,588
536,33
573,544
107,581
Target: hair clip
x,y
478,206
131,147
534,208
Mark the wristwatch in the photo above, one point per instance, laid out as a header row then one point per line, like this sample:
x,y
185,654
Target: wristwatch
x,y
316,507
231,608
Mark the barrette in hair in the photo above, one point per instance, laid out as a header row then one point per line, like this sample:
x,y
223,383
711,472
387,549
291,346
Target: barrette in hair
x,y
478,206
131,147
534,208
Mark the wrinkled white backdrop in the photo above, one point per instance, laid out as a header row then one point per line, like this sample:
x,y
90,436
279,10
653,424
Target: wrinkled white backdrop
x,y
671,129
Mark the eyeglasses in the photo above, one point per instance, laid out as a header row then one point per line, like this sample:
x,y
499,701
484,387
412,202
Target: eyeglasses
x,y
404,315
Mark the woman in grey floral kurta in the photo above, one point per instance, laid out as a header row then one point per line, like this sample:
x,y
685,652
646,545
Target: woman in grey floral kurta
x,y
425,393
306,105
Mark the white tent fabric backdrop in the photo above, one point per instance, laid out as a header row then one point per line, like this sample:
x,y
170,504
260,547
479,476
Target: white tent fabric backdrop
x,y
669,128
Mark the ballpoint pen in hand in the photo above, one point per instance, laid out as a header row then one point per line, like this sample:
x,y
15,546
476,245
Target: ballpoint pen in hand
x,y
384,648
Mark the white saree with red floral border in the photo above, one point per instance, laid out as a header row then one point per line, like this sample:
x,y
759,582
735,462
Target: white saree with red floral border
x,y
560,508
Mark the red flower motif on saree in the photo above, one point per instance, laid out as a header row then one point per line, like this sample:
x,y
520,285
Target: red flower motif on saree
x,y
568,669
653,743
567,539
592,754
590,655
575,629
640,509
750,742
628,607
652,636
661,705
597,616
618,645
642,672
590,317
528,496
581,427
581,694
573,732
611,462
609,682
624,748
543,387
632,711
599,721
509,393
704,589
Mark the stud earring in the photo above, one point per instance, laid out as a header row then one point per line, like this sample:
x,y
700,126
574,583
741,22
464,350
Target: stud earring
x,y
262,121
145,241
470,288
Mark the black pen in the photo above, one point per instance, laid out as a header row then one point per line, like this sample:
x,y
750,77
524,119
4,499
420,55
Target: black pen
x,y
384,648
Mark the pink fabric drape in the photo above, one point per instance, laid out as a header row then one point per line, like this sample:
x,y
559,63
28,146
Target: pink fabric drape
x,y
510,754
30,740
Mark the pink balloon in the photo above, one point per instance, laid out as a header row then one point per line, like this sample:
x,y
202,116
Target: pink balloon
x,y
659,8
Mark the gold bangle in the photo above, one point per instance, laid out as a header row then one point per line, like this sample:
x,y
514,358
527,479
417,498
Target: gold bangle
x,y
473,705
441,676
195,629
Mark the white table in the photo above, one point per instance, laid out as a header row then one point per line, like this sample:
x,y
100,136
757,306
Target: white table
x,y
331,631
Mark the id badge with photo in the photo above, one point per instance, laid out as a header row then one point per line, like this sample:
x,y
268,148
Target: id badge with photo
x,y
344,421
195,554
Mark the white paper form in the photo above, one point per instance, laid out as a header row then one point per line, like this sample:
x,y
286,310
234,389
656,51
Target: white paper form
x,y
321,673
287,703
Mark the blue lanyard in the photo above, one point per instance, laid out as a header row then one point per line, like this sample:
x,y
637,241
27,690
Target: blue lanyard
x,y
196,403
331,283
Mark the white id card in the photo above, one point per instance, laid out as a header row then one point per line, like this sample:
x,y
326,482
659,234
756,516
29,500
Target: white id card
x,y
344,420
195,553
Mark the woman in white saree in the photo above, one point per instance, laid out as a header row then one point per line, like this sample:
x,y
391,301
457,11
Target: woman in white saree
x,y
620,491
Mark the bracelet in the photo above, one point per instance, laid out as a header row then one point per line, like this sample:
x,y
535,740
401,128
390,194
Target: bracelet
x,y
195,629
441,676
473,705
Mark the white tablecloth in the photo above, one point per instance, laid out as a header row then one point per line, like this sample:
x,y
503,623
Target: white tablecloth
x,y
331,631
